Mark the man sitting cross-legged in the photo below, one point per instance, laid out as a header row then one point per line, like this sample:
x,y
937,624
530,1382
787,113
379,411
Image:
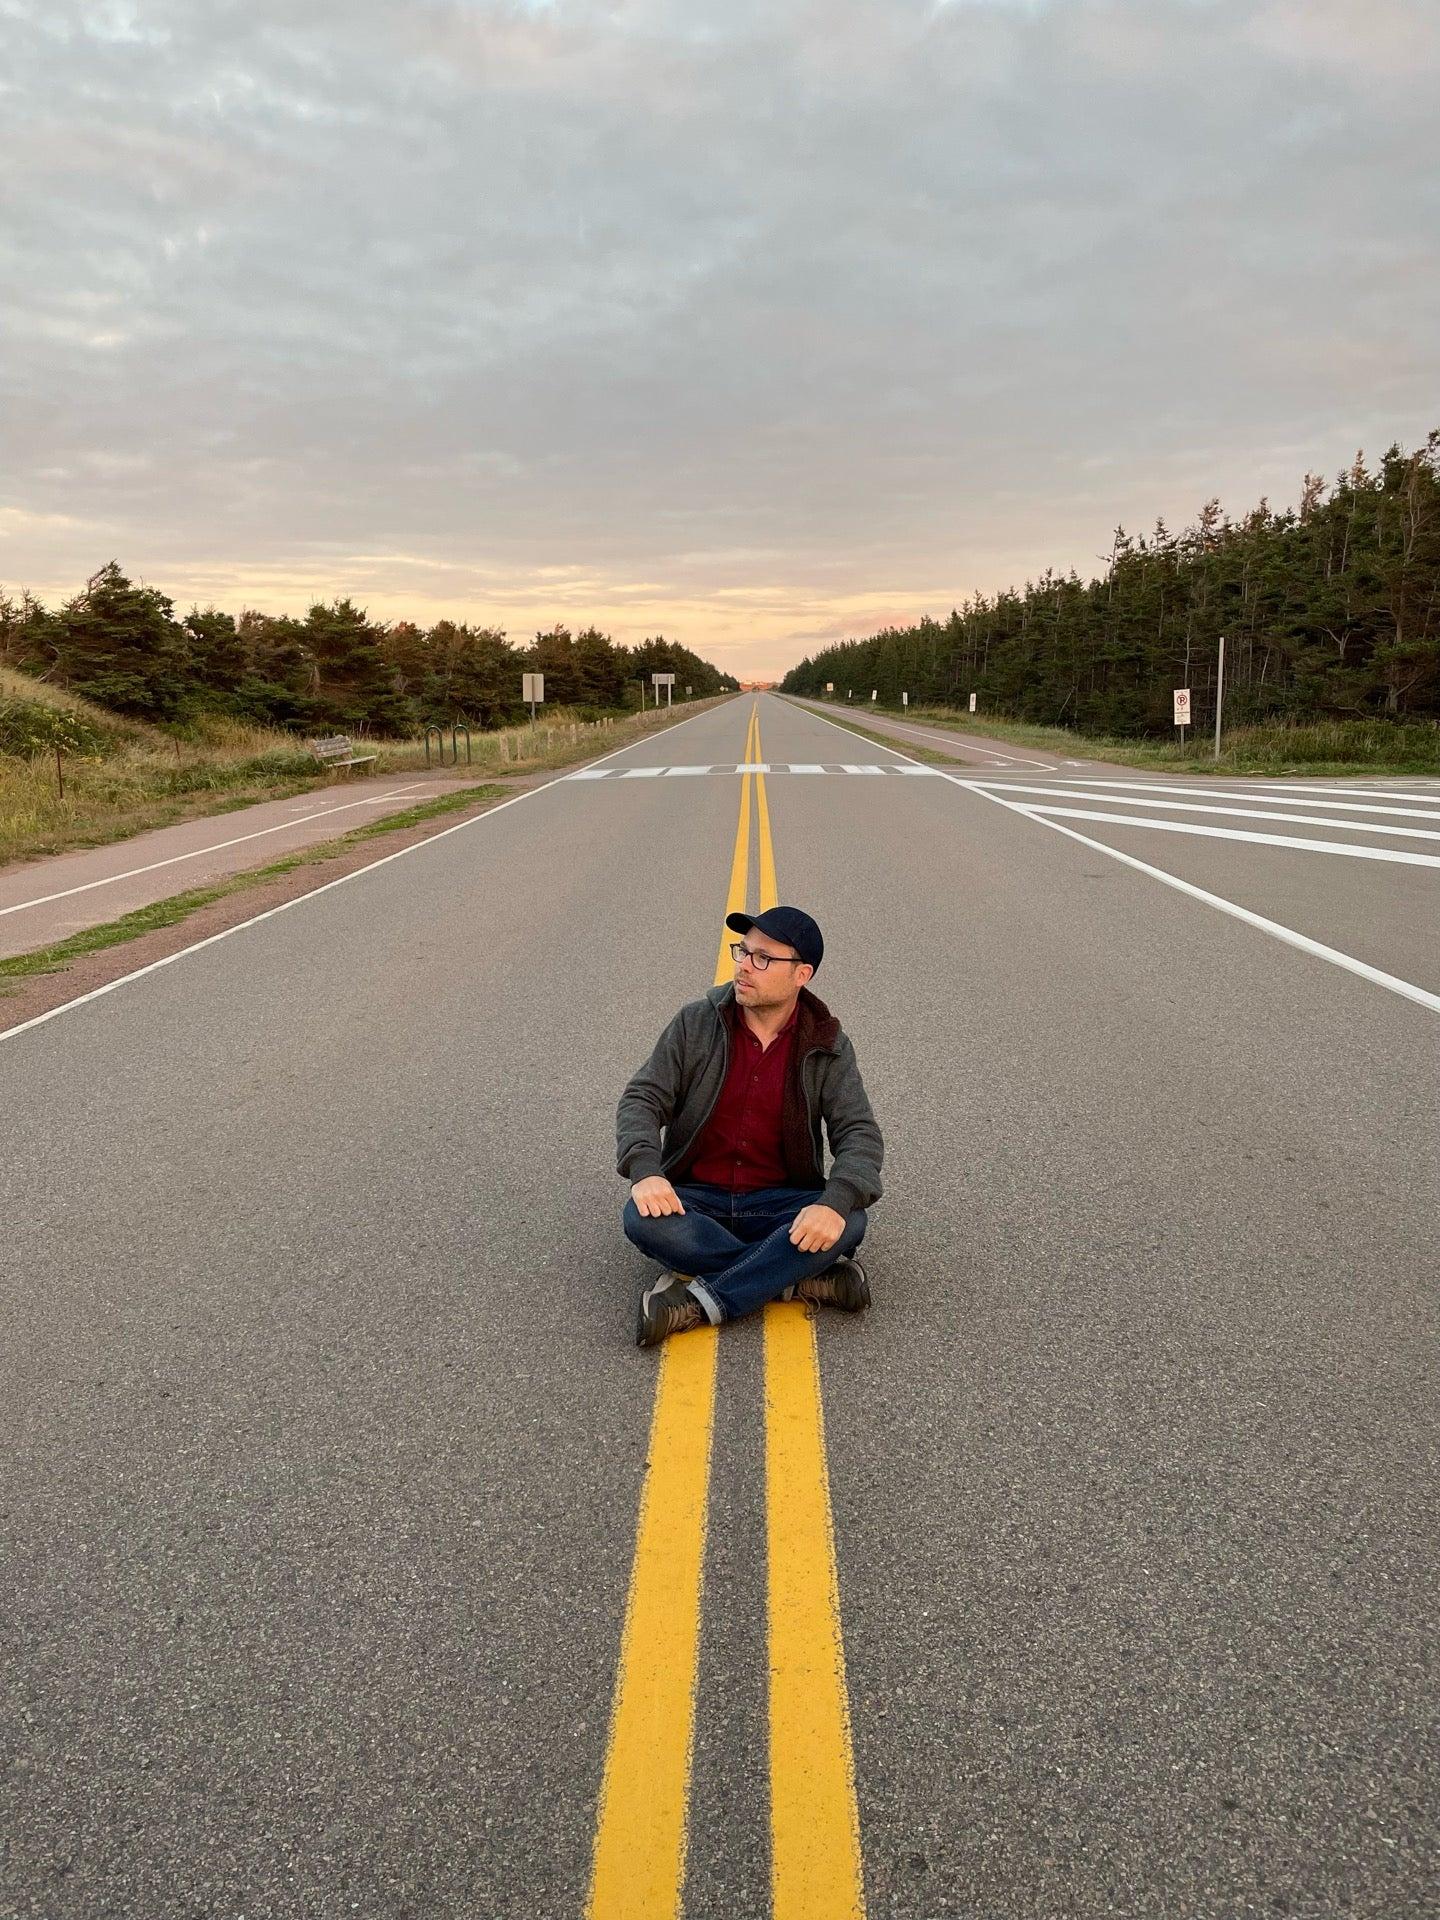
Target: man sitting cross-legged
x,y
720,1133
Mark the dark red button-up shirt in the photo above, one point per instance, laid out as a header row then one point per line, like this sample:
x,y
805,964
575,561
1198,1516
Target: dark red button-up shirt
x,y
739,1145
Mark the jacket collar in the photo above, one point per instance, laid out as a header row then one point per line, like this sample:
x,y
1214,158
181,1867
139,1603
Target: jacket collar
x,y
815,1026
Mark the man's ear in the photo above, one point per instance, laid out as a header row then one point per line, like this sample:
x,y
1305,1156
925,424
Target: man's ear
x,y
809,973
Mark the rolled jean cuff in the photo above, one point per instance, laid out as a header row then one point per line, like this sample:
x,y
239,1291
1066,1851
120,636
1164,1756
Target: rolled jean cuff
x,y
709,1305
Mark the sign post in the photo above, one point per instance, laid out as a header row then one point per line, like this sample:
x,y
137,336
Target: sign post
x,y
1182,711
532,688
1219,694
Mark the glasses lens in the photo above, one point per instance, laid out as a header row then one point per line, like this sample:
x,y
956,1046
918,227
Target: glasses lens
x,y
760,961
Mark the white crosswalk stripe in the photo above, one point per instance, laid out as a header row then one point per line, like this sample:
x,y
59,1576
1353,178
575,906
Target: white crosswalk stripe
x,y
1347,815
751,766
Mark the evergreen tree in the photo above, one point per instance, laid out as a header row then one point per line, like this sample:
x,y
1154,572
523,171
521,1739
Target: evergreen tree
x,y
120,645
1330,609
355,686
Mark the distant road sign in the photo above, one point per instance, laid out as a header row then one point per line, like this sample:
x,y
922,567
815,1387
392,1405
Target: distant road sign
x,y
829,686
662,679
973,698
904,699
874,693
532,687
1182,706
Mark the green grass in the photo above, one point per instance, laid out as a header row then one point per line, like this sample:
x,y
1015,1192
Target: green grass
x,y
166,913
1336,747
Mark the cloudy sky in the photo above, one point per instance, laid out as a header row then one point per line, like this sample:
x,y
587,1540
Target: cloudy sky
x,y
754,323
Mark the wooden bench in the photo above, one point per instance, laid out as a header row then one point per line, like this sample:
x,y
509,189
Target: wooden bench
x,y
339,751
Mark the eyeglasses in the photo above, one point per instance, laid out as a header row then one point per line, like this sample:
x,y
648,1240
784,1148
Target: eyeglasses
x,y
760,961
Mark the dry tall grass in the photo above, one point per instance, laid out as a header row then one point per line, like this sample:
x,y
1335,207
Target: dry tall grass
x,y
149,778
1322,746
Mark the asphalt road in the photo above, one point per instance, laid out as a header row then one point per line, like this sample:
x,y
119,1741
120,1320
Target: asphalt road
x,y
324,1433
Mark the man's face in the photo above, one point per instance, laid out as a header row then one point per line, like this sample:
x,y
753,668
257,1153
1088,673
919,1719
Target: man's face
x,y
778,984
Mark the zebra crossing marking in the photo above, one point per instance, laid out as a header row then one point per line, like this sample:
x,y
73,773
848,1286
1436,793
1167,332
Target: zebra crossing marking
x,y
724,768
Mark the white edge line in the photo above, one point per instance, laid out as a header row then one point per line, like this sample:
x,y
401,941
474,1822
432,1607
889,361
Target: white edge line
x,y
1069,795
1302,941
1398,856
216,846
96,993
854,736
922,733
1111,789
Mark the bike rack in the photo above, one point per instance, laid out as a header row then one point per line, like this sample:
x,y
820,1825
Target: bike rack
x,y
455,732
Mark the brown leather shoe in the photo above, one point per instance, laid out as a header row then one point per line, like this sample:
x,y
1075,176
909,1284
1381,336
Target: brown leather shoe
x,y
667,1307
844,1286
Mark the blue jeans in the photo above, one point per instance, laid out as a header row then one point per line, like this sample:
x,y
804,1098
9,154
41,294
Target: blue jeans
x,y
737,1245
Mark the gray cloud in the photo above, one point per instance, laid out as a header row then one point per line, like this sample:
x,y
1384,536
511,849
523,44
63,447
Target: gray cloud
x,y
751,322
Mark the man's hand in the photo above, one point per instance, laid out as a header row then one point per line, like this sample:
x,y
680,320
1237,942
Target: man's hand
x,y
655,1196
816,1229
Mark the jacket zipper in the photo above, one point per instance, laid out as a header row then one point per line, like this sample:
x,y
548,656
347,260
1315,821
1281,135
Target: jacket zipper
x,y
674,1159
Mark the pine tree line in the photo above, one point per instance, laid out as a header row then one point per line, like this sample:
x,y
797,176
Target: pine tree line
x,y
1330,610
122,645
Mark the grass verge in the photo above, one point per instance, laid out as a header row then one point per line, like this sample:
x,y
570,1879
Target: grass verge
x,y
145,779
165,913
1331,748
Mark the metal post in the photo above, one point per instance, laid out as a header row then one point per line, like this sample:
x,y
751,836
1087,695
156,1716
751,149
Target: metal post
x,y
59,776
1219,694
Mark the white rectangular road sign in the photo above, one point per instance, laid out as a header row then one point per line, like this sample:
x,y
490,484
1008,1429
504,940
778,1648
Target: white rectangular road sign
x,y
973,698
829,686
1182,706
662,679
874,693
532,687
904,699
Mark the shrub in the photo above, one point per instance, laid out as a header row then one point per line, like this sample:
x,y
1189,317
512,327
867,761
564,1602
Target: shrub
x,y
32,726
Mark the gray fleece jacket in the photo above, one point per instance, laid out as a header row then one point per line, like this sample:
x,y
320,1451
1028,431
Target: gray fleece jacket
x,y
667,1103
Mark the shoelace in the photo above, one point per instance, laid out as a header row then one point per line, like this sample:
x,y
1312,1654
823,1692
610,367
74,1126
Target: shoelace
x,y
684,1313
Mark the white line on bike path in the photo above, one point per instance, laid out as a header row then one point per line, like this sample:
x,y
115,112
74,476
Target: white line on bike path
x,y
216,846
97,993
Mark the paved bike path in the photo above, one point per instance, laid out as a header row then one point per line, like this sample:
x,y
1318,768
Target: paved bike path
x,y
43,901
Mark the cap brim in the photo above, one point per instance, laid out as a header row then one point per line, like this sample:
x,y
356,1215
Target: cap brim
x,y
738,922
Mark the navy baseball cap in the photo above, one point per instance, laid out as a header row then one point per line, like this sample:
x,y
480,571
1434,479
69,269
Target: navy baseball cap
x,y
789,924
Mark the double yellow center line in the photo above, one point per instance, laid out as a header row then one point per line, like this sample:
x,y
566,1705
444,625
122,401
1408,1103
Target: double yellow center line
x,y
639,1861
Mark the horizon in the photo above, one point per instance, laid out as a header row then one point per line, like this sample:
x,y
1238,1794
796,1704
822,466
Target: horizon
x,y
784,332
